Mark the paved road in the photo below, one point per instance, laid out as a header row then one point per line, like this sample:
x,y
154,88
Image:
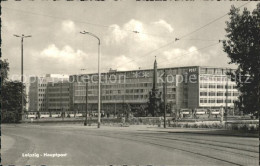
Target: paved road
x,y
122,145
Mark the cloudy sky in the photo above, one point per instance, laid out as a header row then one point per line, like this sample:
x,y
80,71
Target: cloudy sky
x,y
57,46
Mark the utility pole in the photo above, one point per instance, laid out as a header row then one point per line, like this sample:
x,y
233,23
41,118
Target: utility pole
x,y
99,74
164,96
226,109
61,108
258,93
86,118
101,100
23,36
124,107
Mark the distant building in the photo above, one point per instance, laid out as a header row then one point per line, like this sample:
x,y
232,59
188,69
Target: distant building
x,y
187,87
38,91
58,96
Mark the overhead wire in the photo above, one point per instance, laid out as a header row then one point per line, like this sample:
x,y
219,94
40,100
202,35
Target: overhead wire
x,y
209,23
179,56
183,36
106,26
84,22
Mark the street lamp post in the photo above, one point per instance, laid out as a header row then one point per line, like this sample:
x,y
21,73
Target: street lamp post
x,y
164,96
226,107
86,118
99,77
22,36
258,94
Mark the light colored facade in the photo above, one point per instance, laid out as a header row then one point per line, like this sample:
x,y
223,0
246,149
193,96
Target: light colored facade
x,y
37,92
127,88
187,87
58,96
213,87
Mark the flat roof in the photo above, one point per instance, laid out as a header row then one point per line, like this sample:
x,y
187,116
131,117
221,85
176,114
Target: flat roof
x,y
168,68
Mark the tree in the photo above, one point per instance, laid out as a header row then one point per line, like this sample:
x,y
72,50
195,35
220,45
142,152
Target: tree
x,y
243,48
168,108
11,100
11,94
4,70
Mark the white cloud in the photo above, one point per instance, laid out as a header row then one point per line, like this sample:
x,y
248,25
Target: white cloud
x,y
117,33
164,24
134,43
68,26
192,49
183,57
66,52
124,63
137,26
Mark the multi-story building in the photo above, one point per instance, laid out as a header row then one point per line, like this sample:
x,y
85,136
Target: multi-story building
x,y
187,87
37,91
58,96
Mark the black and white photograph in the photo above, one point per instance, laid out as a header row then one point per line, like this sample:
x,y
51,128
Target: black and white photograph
x,y
130,82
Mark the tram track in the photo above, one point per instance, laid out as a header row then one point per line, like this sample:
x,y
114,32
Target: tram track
x,y
156,141
201,142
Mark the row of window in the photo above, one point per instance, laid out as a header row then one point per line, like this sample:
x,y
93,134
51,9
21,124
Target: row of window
x,y
42,85
120,86
59,89
42,105
42,90
215,101
42,95
58,100
213,78
214,71
83,93
218,86
58,94
122,97
218,94
59,105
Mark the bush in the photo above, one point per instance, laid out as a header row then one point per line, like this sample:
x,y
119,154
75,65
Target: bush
x,y
252,128
234,127
244,127
195,125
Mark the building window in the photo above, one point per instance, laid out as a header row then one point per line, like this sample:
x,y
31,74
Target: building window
x,y
235,94
220,86
203,86
218,78
212,101
203,100
219,101
229,94
212,94
228,101
202,71
218,71
212,86
229,86
220,94
210,71
203,93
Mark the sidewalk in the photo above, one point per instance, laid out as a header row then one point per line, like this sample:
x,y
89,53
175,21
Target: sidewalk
x,y
8,143
206,131
149,128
